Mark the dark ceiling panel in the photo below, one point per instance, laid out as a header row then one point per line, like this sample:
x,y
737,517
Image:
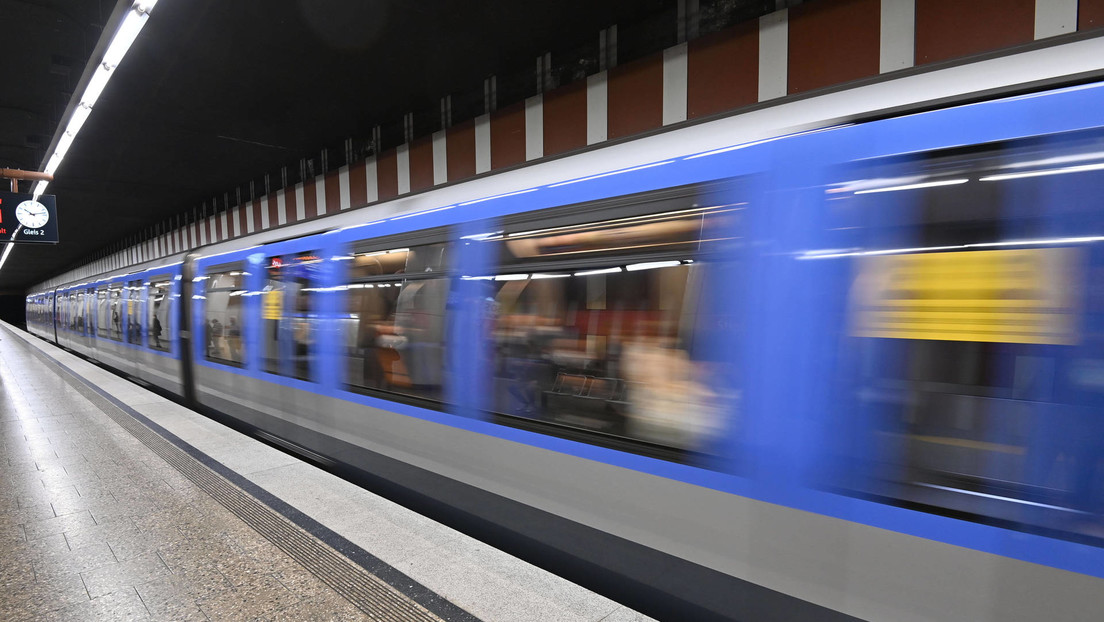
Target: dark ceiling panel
x,y
214,93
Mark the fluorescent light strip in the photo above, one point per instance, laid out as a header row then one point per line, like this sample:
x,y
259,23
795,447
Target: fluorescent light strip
x,y
1049,171
602,271
650,265
626,170
926,184
512,277
921,249
537,277
120,43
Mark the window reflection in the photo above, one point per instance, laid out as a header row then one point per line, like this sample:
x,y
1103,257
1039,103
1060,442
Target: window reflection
x,y
222,323
289,319
108,311
396,318
158,312
609,351
133,317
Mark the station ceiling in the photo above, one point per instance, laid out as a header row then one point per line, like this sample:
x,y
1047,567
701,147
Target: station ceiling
x,y
216,93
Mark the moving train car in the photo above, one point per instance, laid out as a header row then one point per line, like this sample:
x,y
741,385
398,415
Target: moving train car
x,y
853,371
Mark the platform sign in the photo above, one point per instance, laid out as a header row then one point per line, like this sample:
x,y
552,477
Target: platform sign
x,y
26,219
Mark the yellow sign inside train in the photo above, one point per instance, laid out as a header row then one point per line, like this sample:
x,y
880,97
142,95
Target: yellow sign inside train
x,y
1006,296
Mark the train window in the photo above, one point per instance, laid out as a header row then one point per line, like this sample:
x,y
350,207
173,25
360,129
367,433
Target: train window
x,y
77,308
595,324
371,261
968,316
396,318
133,315
109,311
289,316
222,320
158,312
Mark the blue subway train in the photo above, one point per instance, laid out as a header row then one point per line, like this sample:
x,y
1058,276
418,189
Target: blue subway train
x,y
851,370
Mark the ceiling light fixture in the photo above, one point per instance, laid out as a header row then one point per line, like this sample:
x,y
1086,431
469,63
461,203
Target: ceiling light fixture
x,y
121,41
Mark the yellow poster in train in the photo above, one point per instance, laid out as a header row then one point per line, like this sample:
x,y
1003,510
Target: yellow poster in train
x,y
273,304
1007,296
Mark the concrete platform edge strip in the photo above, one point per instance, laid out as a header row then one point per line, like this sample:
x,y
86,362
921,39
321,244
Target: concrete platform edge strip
x,y
369,583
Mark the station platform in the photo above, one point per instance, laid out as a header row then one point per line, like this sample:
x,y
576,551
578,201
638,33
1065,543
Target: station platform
x,y
118,504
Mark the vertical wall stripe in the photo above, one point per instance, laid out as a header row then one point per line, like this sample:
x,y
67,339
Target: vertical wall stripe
x,y
330,199
440,157
237,221
816,57
723,70
534,127
371,181
674,84
250,215
565,114
947,29
202,225
387,175
482,143
1055,17
345,200
402,163
898,35
774,45
281,209
309,198
212,222
419,157
264,213
1090,14
635,97
460,150
225,234
597,97
320,194
300,202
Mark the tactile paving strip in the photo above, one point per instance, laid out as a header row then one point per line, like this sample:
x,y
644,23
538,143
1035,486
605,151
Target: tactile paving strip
x,y
365,590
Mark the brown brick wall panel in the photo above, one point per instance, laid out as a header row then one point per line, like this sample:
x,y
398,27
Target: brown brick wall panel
x,y
310,199
508,136
460,150
635,94
1090,14
291,205
256,217
723,71
565,118
832,42
333,191
274,209
947,29
421,164
387,175
358,184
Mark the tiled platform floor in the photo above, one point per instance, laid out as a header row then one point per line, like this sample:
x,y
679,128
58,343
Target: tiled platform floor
x,y
95,526
98,527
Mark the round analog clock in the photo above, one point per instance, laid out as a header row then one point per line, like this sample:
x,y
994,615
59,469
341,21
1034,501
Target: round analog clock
x,y
32,214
